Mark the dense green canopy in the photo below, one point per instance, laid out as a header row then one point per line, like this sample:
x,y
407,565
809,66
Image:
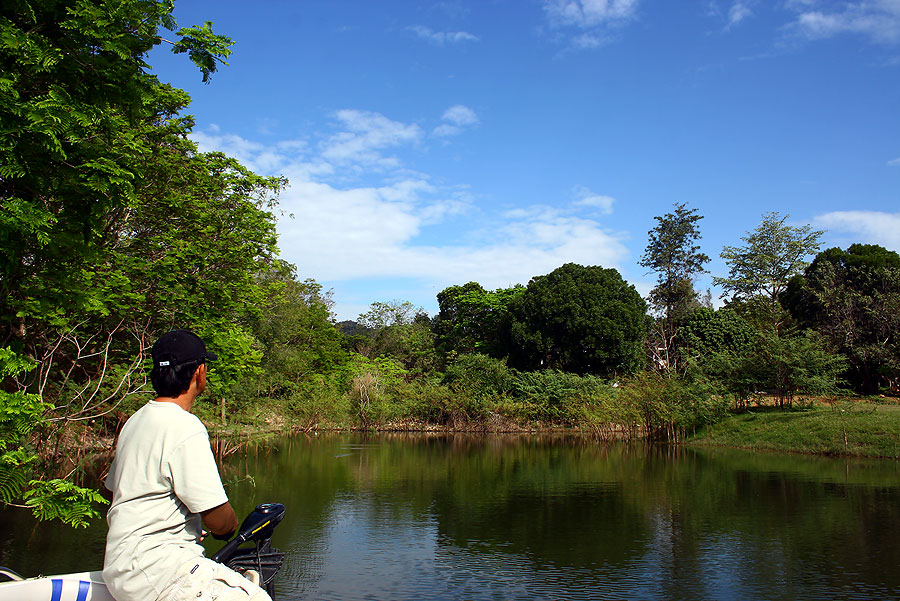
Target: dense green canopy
x,y
853,298
579,319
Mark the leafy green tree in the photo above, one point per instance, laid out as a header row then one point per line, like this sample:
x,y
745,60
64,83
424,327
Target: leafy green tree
x,y
399,330
113,227
389,313
852,297
75,100
474,320
708,332
298,339
579,319
48,498
677,260
759,271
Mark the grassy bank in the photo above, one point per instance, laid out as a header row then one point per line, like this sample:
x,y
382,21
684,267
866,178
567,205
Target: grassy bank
x,y
857,428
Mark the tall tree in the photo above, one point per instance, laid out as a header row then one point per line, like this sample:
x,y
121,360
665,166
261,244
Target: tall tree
x,y
579,319
759,271
673,254
113,227
75,101
474,320
852,297
399,330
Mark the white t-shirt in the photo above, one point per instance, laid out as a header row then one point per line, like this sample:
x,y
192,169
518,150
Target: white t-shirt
x,y
162,477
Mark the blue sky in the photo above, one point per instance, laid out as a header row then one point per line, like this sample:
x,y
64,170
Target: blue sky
x,y
435,143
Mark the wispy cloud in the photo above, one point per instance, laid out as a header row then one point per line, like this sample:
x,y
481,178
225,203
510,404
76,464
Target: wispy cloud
x,y
894,162
877,20
455,119
590,13
738,12
871,227
343,234
585,198
442,38
587,24
364,135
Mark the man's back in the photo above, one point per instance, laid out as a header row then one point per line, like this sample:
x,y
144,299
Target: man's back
x,y
162,477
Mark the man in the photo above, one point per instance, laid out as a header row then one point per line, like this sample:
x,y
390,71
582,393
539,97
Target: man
x,y
164,482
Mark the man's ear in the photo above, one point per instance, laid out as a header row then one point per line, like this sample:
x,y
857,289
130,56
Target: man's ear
x,y
200,376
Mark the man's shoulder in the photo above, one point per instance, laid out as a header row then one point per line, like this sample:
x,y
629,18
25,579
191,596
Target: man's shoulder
x,y
160,414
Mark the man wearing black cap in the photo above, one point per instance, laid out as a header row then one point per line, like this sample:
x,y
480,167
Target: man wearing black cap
x,y
164,484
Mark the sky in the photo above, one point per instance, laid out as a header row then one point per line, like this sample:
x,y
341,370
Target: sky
x,y
433,143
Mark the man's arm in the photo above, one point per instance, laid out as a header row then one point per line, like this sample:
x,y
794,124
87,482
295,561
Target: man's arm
x,y
221,520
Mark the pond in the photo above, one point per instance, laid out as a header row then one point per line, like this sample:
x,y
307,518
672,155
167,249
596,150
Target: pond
x,y
531,517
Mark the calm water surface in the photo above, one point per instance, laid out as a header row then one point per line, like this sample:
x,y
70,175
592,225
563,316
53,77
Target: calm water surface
x,y
465,517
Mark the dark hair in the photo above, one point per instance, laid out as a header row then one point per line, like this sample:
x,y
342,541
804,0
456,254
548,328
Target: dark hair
x,y
172,380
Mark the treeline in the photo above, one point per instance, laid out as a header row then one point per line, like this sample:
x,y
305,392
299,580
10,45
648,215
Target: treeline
x,y
115,229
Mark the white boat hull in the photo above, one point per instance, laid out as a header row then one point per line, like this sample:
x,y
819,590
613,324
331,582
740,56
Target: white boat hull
x,y
84,586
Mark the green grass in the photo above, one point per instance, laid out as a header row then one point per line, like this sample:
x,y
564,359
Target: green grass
x,y
861,429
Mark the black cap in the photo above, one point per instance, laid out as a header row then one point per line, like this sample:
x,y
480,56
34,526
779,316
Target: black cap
x,y
178,347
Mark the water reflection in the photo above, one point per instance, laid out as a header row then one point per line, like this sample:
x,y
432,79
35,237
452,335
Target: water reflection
x,y
467,517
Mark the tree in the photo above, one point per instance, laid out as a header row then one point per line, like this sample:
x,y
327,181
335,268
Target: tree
x,y
852,298
295,331
672,254
473,320
113,227
399,330
579,319
75,103
708,332
760,270
390,313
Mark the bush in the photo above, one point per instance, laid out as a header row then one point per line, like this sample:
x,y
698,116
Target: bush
x,y
479,375
670,407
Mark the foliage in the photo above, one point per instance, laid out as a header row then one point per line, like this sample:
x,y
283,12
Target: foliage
x,y
397,330
76,102
297,339
671,407
114,227
479,375
677,260
852,298
391,313
59,499
772,254
20,413
118,229
474,320
578,319
370,383
672,253
785,365
707,332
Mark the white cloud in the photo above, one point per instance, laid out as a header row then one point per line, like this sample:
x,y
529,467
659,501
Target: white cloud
x,y
590,13
339,233
878,20
870,227
460,115
441,38
455,119
585,198
366,133
738,12
588,24
588,41
894,162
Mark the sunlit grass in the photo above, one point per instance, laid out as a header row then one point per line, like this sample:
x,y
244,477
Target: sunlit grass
x,y
841,428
